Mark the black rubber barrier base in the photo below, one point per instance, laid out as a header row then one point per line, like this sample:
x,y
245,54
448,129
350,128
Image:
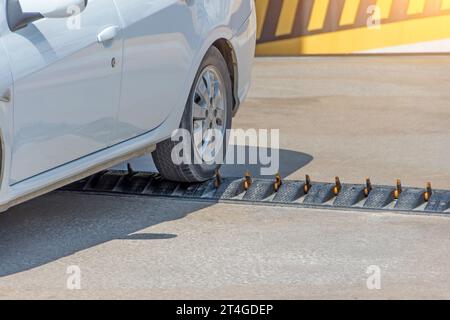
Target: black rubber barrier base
x,y
261,191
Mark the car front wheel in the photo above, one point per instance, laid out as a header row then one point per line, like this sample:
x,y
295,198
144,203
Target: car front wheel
x,y
206,120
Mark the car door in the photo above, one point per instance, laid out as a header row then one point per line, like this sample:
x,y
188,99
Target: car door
x,y
160,41
66,88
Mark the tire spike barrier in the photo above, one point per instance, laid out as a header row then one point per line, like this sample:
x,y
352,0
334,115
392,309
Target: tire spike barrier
x,y
247,181
307,186
398,190
338,186
428,193
303,194
217,179
368,187
278,182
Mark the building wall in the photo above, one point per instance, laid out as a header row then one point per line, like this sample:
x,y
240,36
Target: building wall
x,y
296,27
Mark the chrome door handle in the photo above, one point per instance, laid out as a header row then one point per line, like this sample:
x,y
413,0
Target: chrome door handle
x,y
108,34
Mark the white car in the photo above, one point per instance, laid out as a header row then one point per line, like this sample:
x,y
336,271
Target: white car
x,y
88,84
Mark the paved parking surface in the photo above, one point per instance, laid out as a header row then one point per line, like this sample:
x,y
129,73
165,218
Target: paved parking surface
x,y
384,117
378,117
129,247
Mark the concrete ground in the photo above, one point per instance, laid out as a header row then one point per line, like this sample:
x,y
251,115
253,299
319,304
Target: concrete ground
x,y
378,117
383,117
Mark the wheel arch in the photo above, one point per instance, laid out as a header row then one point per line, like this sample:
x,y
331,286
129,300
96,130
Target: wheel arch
x,y
226,49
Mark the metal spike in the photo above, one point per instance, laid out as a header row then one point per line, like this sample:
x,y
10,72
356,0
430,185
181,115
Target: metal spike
x,y
398,189
307,186
130,170
247,181
278,182
427,194
368,188
338,186
218,179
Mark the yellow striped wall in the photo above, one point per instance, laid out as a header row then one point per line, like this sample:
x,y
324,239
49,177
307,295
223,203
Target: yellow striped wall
x,y
296,27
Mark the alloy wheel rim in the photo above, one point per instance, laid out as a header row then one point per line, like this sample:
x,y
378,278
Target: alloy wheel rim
x,y
209,113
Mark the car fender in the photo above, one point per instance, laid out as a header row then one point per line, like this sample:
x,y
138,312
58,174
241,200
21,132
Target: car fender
x,y
174,119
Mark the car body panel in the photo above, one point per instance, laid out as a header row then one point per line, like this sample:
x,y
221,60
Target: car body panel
x,y
158,55
244,44
129,133
66,92
6,113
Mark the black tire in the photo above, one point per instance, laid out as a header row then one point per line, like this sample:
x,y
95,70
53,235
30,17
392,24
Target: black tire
x,y
162,156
